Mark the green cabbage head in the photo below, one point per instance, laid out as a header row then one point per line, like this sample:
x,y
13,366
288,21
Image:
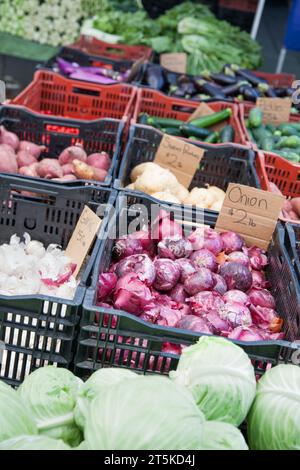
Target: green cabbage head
x,y
94,386
15,418
222,436
220,376
274,419
51,394
33,443
147,413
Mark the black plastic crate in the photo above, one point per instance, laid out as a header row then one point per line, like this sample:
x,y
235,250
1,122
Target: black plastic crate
x,y
114,338
58,133
37,330
221,164
292,243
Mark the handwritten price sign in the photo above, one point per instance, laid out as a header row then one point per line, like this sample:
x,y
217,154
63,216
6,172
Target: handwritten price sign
x,y
83,237
275,110
251,212
179,157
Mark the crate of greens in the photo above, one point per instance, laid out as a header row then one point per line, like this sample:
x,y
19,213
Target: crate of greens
x,y
169,299
41,291
171,116
220,165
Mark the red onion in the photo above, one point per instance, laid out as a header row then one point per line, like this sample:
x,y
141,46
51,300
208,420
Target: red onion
x,y
219,325
258,258
266,318
235,295
106,284
32,148
167,274
199,281
261,297
131,294
140,264
164,227
178,294
206,238
259,279
236,275
220,285
191,322
239,257
171,348
9,138
186,267
236,314
174,247
127,247
205,302
231,242
204,259
169,317
144,236
242,333
75,152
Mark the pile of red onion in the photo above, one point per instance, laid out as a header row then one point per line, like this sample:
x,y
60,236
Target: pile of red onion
x,y
73,163
207,282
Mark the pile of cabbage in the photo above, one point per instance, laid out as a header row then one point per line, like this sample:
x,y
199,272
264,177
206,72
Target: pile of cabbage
x,y
27,267
206,282
199,406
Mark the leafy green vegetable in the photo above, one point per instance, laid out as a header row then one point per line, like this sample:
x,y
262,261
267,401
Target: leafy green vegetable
x,y
220,376
222,436
144,413
15,417
51,393
94,386
33,443
274,420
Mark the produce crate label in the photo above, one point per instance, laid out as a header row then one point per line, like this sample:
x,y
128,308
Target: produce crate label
x,y
176,62
83,237
251,212
205,110
275,110
181,158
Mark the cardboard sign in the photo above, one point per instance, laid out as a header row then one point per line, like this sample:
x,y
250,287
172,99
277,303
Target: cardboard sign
x,y
83,237
251,212
176,62
275,110
181,158
204,110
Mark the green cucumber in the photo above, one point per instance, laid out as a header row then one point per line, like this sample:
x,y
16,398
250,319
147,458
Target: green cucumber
x,y
292,141
159,122
271,127
227,134
213,138
266,143
287,130
187,130
211,119
255,117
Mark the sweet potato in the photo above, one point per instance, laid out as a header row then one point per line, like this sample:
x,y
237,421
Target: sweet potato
x,y
87,172
68,169
65,178
49,168
8,163
24,158
99,160
75,152
30,170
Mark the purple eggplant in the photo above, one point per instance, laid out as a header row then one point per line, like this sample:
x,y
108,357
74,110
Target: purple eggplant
x,y
248,75
91,77
249,93
220,78
211,89
234,89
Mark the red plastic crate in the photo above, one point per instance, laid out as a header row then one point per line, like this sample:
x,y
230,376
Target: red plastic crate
x,y
93,46
155,103
277,80
52,94
241,5
273,168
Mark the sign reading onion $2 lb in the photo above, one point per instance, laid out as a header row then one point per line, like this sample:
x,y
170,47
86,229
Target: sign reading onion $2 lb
x,y
251,212
181,158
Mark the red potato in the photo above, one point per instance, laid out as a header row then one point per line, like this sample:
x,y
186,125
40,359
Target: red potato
x,y
8,163
99,160
68,169
24,158
49,168
75,152
295,203
30,170
32,148
66,178
9,138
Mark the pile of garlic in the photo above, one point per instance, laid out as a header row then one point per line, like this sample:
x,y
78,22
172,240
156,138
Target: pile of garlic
x,y
28,268
162,184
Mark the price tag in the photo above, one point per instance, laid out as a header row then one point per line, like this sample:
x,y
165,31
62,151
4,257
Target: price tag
x,y
181,158
251,212
204,110
83,237
176,62
275,110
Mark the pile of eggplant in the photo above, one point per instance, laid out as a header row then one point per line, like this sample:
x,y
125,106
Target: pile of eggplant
x,y
232,82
